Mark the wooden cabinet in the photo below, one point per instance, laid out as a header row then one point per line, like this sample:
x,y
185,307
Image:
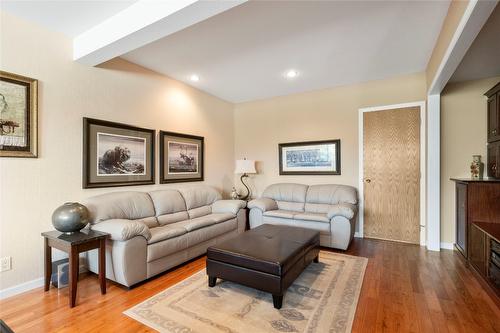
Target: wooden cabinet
x,y
477,224
493,160
461,215
477,249
493,107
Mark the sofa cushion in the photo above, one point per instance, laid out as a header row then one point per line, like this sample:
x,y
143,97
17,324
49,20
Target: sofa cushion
x,y
165,232
199,211
167,201
322,227
167,247
120,205
197,196
204,221
284,214
331,194
172,218
317,217
201,235
286,192
150,222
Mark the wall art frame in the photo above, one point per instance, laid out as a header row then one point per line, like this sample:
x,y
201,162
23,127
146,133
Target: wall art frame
x,y
310,158
18,116
116,154
181,157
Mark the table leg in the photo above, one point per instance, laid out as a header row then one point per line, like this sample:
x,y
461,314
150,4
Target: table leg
x,y
102,265
48,263
73,275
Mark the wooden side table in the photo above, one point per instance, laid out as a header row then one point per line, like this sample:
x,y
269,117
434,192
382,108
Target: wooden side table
x,y
74,244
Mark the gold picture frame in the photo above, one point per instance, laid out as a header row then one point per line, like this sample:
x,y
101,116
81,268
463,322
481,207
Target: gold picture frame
x,y
18,116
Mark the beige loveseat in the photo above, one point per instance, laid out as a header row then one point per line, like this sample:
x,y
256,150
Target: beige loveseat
x,y
330,209
155,231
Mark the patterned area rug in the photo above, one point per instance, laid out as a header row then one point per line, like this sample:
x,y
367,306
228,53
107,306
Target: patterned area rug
x,y
322,299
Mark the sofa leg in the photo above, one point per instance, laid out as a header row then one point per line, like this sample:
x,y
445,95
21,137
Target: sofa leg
x,y
212,280
316,260
277,301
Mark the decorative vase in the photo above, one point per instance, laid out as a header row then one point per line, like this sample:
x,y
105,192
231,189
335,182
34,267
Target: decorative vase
x,y
234,194
476,167
70,217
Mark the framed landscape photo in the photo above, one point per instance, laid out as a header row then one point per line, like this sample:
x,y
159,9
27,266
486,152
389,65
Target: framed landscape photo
x,y
181,157
18,115
310,158
117,154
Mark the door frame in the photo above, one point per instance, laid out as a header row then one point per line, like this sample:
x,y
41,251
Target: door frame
x,y
423,169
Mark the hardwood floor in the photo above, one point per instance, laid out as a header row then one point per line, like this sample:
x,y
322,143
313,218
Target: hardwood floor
x,y
405,289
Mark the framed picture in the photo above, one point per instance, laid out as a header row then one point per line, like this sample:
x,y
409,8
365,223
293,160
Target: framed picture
x,y
18,115
181,157
310,158
116,154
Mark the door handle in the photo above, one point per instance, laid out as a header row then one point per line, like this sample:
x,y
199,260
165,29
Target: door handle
x,y
368,180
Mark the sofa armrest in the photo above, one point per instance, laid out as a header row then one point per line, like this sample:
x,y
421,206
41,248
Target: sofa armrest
x,y
228,206
122,230
346,210
264,204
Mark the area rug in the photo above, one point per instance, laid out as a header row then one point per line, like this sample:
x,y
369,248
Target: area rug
x,y
322,299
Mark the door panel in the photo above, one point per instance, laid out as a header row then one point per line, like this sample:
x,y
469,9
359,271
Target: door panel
x,y
391,141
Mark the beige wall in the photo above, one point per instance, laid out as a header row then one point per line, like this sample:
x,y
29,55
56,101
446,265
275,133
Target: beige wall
x,y
30,189
318,115
463,134
450,24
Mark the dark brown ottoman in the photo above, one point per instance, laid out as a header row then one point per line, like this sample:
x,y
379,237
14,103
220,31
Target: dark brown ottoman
x,y
268,258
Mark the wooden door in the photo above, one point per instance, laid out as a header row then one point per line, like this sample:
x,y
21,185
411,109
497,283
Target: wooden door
x,y
391,141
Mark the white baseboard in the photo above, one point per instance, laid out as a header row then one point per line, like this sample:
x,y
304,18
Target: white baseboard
x,y
357,235
21,288
27,286
447,246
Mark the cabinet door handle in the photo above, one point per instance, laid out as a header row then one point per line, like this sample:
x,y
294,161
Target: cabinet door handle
x,y
494,132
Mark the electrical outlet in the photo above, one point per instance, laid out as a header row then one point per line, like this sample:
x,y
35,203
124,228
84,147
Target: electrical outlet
x,y
5,264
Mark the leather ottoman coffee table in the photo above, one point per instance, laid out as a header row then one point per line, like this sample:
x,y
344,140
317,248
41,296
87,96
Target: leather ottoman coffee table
x,y
268,258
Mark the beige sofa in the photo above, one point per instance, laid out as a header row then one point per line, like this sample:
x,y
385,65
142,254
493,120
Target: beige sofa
x,y
155,231
330,209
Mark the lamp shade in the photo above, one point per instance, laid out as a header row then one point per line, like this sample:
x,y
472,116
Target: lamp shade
x,y
245,166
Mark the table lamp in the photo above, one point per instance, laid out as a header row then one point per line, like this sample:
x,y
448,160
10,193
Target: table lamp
x,y
244,167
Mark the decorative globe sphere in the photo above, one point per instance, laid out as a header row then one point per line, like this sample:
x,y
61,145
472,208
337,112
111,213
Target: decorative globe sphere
x,y
70,217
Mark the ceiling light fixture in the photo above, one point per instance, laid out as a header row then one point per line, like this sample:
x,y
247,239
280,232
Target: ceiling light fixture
x,y
292,73
194,78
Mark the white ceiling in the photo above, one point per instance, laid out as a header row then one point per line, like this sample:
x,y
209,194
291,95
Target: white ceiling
x,y
71,17
482,60
241,54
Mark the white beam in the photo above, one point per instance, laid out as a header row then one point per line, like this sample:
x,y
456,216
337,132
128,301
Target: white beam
x,y
143,22
475,16
433,172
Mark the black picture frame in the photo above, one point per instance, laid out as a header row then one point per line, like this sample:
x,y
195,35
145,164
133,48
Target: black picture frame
x,y
90,151
165,176
335,142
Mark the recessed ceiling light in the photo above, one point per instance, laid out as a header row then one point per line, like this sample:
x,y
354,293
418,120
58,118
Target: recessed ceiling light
x,y
292,73
194,78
